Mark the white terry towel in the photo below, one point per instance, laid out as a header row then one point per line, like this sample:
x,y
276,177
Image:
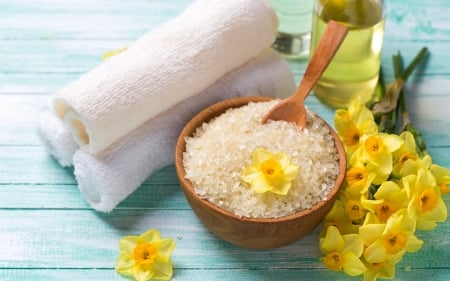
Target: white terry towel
x,y
56,137
164,67
107,179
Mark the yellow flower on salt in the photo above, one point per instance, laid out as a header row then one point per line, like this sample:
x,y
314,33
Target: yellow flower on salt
x,y
145,257
391,240
342,252
270,172
425,201
389,198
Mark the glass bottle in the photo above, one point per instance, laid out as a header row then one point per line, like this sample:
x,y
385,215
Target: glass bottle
x,y
355,68
294,31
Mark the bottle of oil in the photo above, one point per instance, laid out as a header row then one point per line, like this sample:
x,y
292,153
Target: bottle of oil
x,y
355,68
294,32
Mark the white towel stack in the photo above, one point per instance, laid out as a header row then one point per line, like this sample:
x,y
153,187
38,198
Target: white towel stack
x,y
118,123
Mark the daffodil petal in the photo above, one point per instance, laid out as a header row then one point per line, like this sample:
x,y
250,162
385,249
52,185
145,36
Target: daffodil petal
x,y
281,189
375,252
392,142
124,263
352,265
424,179
127,243
141,275
333,240
151,235
250,174
386,189
371,232
383,163
353,243
259,155
423,224
165,247
162,270
370,275
414,244
260,185
371,204
290,172
438,214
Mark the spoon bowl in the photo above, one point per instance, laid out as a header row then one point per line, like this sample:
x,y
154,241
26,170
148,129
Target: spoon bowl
x,y
292,109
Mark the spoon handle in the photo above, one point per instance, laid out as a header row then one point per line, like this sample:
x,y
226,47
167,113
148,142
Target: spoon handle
x,y
329,44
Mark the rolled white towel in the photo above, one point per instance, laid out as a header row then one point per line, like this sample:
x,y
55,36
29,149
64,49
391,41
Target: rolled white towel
x,y
164,67
107,179
56,137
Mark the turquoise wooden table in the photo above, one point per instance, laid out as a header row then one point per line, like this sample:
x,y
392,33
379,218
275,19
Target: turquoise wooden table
x,y
49,232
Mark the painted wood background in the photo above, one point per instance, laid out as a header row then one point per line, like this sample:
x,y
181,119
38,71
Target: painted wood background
x,y
47,230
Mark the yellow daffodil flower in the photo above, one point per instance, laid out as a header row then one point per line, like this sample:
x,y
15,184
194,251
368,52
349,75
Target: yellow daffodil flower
x,y
408,151
410,166
352,123
391,188
375,152
389,198
358,179
442,176
342,252
145,257
376,174
385,270
270,172
338,217
351,200
396,238
425,201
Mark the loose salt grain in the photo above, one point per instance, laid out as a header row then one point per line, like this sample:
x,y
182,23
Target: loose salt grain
x,y
219,150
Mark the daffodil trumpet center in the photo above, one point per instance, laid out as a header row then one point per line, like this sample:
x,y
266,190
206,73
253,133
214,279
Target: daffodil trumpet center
x,y
356,176
395,243
405,157
333,261
351,137
374,145
354,210
385,210
271,169
144,253
428,200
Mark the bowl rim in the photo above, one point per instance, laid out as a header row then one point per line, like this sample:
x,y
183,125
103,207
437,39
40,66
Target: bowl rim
x,y
218,109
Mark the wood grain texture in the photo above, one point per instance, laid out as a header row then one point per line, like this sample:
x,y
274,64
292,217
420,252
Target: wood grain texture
x,y
47,230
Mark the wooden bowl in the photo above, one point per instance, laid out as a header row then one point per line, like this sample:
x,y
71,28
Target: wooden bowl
x,y
255,233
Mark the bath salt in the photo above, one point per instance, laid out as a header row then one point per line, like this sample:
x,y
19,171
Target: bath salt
x,y
219,150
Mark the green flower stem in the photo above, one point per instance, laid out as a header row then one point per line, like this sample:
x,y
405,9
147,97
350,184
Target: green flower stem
x,y
406,124
416,61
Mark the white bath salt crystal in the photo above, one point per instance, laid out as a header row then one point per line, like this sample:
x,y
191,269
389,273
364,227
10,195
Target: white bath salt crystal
x,y
224,147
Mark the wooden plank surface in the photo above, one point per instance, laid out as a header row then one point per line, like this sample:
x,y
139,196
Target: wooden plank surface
x,y
49,232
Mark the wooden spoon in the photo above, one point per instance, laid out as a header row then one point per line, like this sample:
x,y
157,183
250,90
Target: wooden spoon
x,y
293,109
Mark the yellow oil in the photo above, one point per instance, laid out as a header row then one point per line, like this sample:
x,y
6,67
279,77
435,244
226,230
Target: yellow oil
x,y
355,68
